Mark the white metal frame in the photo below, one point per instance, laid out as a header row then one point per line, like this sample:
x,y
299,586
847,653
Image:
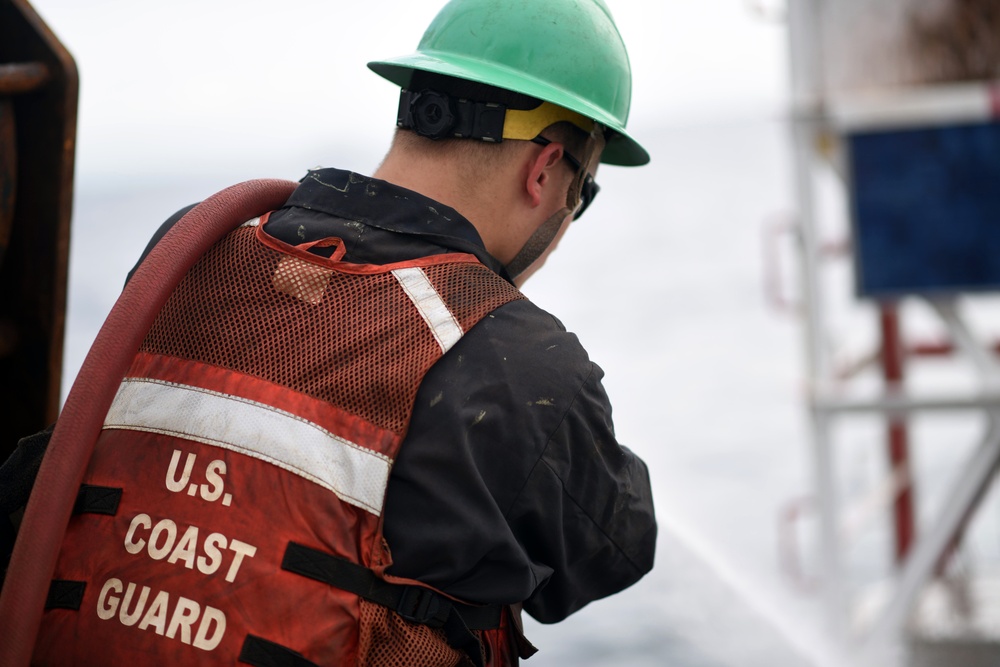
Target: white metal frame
x,y
812,115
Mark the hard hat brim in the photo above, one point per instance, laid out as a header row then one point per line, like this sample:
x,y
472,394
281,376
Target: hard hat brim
x,y
621,148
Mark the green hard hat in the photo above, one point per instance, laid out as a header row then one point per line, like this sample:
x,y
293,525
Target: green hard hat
x,y
567,52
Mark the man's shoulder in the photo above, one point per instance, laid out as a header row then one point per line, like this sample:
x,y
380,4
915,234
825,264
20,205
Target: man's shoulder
x,y
524,317
522,344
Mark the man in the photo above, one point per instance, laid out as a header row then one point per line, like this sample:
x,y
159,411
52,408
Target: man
x,y
348,438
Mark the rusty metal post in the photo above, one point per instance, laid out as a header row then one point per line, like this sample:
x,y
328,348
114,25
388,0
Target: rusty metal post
x,y
38,109
896,429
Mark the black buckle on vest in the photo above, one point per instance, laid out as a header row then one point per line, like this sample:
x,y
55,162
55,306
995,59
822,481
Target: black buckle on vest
x,y
419,605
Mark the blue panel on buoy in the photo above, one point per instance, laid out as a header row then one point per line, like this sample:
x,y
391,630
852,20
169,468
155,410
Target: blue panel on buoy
x,y
925,205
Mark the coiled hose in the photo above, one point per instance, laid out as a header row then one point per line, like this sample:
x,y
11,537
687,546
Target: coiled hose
x,y
51,504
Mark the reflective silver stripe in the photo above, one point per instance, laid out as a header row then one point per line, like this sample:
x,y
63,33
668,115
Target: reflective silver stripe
x,y
446,329
357,475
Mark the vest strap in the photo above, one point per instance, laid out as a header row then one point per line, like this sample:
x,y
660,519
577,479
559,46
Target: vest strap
x,y
65,594
413,603
97,500
263,653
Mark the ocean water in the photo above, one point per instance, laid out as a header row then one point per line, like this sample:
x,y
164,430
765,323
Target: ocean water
x,y
662,280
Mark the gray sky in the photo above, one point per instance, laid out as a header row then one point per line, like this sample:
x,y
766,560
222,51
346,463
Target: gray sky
x,y
195,86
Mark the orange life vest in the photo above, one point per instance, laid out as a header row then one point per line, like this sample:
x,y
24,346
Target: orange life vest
x,y
232,510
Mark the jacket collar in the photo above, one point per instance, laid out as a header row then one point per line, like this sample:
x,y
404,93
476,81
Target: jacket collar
x,y
380,204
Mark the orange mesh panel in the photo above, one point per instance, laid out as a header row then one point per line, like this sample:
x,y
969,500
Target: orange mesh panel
x,y
355,341
387,640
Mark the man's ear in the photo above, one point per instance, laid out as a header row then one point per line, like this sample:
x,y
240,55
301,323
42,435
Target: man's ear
x,y
539,171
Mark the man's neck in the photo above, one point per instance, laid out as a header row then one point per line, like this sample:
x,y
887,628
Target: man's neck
x,y
487,208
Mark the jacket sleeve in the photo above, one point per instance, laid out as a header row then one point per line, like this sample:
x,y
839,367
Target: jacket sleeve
x,y
511,485
586,510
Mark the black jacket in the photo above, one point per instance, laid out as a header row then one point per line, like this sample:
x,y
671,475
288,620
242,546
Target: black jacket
x,y
510,485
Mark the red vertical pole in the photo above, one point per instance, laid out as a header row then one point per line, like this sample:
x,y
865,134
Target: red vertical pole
x,y
898,446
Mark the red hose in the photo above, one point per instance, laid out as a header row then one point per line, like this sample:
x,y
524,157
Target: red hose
x,y
49,508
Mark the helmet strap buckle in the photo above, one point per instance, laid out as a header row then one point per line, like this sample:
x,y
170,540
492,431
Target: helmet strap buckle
x,y
437,115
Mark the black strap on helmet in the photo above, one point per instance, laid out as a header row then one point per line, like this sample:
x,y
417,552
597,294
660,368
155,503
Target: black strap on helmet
x,y
438,115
